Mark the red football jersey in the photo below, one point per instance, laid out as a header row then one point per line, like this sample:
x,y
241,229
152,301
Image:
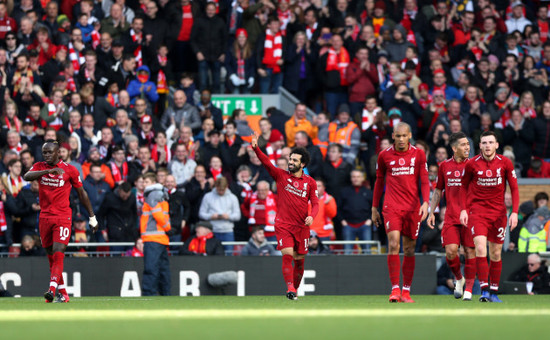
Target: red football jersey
x,y
449,181
484,184
403,172
54,190
293,194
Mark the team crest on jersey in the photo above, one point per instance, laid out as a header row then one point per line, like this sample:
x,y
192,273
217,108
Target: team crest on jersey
x,y
457,173
413,160
514,173
498,172
401,161
489,173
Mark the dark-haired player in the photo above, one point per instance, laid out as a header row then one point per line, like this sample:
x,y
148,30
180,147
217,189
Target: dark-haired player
x,y
295,189
56,178
484,213
403,166
454,234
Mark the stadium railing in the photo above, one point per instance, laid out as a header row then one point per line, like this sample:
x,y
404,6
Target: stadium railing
x,y
372,247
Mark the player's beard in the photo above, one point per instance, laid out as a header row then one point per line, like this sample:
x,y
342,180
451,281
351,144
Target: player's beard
x,y
292,169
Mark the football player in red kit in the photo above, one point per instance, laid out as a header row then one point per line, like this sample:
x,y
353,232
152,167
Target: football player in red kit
x,y
56,178
294,190
403,166
484,212
454,234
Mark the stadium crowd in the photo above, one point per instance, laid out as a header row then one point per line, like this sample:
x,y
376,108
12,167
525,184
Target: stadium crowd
x,y
126,88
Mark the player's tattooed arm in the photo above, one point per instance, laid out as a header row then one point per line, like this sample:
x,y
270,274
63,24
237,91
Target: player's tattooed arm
x,y
34,175
435,202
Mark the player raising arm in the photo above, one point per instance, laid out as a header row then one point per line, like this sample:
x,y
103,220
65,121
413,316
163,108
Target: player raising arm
x,y
295,189
56,178
484,213
453,234
402,166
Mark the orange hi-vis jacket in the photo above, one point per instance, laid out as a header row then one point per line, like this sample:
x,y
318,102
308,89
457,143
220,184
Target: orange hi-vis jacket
x,y
155,218
341,135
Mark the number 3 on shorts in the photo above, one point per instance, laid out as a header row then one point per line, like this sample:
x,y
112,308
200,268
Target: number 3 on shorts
x,y
64,233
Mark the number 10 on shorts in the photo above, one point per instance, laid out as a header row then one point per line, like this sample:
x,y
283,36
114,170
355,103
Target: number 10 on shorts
x,y
64,232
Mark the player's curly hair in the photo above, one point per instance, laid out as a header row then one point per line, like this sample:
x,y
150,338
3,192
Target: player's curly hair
x,y
304,153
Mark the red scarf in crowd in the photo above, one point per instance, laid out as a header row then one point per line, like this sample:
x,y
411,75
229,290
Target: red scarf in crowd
x,y
3,223
310,30
16,123
273,155
95,39
424,103
162,86
198,244
216,173
284,18
269,209
76,58
155,153
137,51
543,29
501,123
273,50
18,148
240,64
528,110
367,118
338,62
57,123
117,175
15,185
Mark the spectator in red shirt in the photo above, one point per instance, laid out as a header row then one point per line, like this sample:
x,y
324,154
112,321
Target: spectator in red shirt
x,y
462,30
7,24
362,77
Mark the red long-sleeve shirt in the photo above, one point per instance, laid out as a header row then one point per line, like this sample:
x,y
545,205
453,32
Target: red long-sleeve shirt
x,y
484,184
403,171
293,194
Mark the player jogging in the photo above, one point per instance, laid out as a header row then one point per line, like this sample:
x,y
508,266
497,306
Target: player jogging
x,y
56,178
454,234
483,187
403,166
294,190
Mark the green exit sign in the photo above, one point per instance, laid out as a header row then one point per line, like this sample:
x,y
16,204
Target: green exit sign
x,y
251,105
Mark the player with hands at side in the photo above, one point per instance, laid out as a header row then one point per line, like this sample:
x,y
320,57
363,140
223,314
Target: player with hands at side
x,y
403,167
292,221
454,234
56,178
484,211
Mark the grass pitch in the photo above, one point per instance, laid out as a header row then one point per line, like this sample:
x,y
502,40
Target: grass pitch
x,y
274,317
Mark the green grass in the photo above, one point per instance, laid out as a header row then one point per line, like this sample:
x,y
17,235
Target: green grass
x,y
274,317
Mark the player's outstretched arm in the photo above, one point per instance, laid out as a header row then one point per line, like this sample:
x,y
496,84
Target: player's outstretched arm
x,y
83,196
273,171
34,175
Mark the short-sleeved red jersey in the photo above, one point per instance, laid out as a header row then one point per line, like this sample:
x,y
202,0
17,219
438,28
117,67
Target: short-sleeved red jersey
x,y
449,181
293,194
484,184
54,190
403,171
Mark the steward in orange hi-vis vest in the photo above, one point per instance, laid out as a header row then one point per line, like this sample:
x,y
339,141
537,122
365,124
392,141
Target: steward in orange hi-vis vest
x,y
155,218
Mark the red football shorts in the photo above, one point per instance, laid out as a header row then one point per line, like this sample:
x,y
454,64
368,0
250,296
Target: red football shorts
x,y
456,234
53,229
294,237
491,226
406,222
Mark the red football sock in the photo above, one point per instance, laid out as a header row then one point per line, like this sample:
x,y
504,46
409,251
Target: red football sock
x,y
57,270
454,264
298,272
394,262
494,274
482,272
50,261
470,274
409,263
288,272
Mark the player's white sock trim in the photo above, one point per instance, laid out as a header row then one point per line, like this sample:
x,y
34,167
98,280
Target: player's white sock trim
x,y
395,287
53,284
407,288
